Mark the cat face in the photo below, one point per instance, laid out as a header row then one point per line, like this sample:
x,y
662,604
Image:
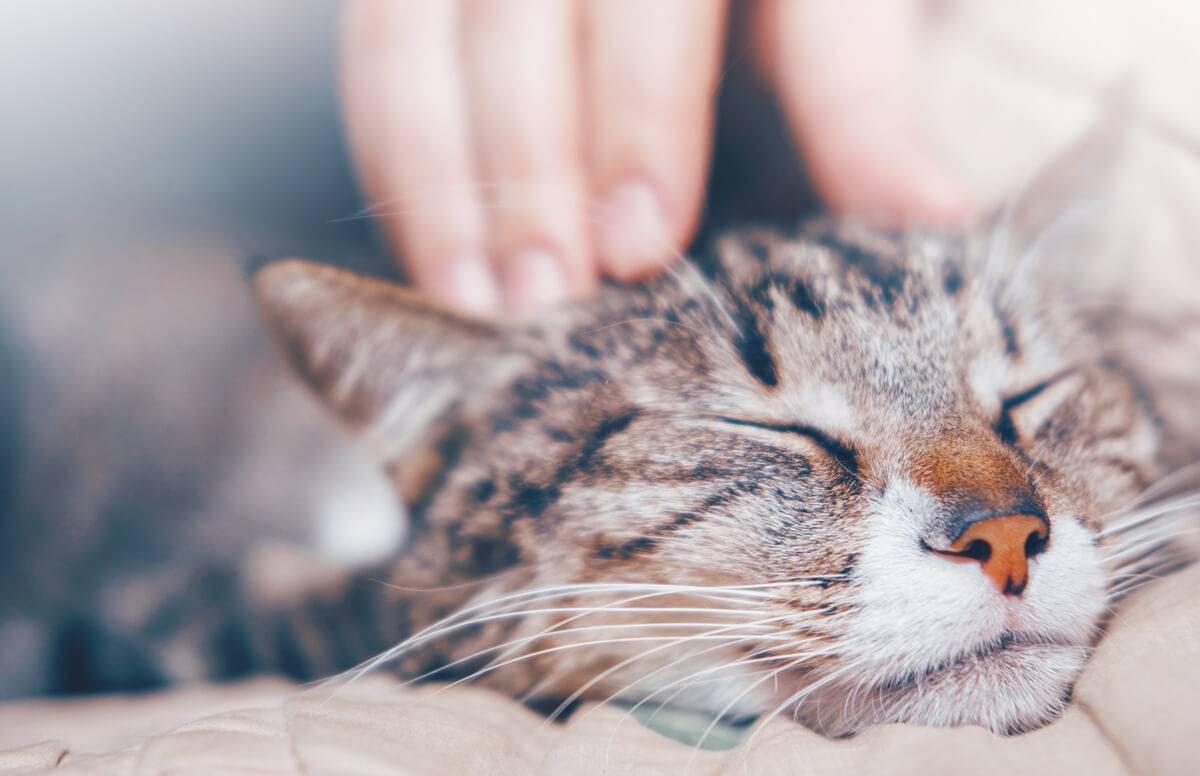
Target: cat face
x,y
850,476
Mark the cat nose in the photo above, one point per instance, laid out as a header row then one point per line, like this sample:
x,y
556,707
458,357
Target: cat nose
x,y
1002,546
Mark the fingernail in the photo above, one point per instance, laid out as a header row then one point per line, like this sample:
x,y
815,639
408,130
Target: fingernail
x,y
534,280
632,237
467,284
947,203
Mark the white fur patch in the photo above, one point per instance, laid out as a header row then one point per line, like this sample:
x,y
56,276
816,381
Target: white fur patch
x,y
918,610
826,407
988,376
359,519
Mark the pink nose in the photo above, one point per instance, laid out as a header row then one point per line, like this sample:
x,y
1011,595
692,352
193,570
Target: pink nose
x,y
1002,546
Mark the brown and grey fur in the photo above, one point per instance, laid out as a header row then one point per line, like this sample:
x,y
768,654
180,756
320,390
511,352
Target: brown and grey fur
x,y
761,448
759,417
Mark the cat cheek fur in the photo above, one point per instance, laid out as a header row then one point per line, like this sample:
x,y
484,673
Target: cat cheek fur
x,y
1010,692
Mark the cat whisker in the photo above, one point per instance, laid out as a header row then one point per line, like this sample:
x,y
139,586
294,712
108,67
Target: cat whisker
x,y
454,622
379,208
607,606
1162,538
665,642
684,683
1148,514
794,700
1136,575
555,631
608,672
760,655
733,702
1171,479
483,580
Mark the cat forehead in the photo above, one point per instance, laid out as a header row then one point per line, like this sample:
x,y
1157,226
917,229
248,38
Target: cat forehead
x,y
856,273
833,305
857,330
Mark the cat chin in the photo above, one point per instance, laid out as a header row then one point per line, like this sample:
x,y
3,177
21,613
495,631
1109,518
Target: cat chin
x,y
1010,690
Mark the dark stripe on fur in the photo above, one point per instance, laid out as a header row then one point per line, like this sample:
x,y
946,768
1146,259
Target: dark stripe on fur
x,y
751,345
1008,330
626,550
449,450
533,499
887,278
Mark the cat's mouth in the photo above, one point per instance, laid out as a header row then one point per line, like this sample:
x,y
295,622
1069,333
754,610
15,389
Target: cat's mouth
x,y
1006,642
1013,683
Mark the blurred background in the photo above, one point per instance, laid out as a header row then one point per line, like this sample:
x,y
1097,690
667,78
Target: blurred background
x,y
147,149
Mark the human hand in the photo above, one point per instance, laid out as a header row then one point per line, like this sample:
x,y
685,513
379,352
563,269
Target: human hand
x,y
516,150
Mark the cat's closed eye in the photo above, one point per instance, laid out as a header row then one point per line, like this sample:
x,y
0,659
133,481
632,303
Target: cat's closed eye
x,y
841,453
1023,413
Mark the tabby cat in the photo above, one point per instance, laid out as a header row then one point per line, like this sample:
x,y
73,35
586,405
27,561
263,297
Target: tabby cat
x,y
845,474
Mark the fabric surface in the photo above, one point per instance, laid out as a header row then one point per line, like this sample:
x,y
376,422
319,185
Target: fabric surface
x,y
1133,713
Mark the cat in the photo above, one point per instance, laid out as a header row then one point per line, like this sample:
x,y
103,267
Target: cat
x,y
853,475
848,474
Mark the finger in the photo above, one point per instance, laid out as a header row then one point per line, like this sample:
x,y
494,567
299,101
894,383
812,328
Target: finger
x,y
520,60
843,72
405,119
652,72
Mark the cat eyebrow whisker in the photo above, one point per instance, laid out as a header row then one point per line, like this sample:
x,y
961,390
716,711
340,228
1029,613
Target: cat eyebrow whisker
x,y
673,268
373,208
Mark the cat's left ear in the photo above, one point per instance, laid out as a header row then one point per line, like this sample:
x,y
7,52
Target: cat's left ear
x,y
1074,214
380,357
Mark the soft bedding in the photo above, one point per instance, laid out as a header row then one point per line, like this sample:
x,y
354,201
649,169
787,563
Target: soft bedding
x,y
1133,712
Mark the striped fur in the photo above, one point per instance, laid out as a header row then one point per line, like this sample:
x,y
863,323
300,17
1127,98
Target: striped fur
x,y
777,433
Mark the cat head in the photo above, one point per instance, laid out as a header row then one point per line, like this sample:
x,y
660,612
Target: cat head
x,y
850,475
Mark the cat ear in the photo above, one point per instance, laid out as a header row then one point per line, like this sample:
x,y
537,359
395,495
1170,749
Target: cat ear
x,y
381,358
1074,210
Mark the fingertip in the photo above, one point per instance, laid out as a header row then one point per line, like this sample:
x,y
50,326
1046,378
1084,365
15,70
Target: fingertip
x,y
465,284
533,280
888,180
941,200
633,238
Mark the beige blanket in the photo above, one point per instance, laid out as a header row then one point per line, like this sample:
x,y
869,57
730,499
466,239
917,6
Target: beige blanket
x,y
1134,712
